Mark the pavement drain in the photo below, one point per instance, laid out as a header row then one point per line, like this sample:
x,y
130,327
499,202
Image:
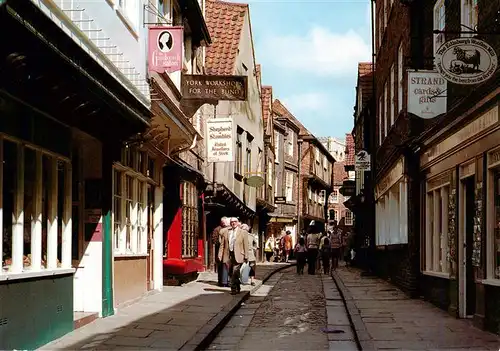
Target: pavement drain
x,y
332,331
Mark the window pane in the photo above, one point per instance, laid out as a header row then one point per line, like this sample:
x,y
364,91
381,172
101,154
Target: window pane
x,y
61,188
496,248
46,166
9,183
29,200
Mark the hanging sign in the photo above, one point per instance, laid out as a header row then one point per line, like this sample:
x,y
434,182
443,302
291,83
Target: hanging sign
x,y
362,161
220,140
466,61
425,89
214,88
165,47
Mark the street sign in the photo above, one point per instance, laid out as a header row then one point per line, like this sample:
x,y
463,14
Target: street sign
x,y
280,199
362,161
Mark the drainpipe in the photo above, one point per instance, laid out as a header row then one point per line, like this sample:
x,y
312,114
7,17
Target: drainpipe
x,y
299,195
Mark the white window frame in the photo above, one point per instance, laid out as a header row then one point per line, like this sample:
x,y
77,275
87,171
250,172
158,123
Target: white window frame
x,y
17,269
349,217
386,116
469,16
400,77
130,9
290,142
439,19
380,121
277,147
289,186
392,87
436,232
334,196
492,273
270,173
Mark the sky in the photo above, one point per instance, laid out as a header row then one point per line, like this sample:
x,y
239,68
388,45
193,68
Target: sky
x,y
309,51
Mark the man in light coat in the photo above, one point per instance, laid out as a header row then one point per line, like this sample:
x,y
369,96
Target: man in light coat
x,y
234,251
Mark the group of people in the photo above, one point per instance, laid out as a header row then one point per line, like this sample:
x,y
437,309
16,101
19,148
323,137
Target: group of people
x,y
280,248
319,249
235,245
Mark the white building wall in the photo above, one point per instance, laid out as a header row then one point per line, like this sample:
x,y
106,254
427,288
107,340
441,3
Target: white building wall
x,y
246,114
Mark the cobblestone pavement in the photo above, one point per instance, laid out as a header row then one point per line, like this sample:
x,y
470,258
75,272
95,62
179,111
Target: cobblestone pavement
x,y
162,321
394,321
287,313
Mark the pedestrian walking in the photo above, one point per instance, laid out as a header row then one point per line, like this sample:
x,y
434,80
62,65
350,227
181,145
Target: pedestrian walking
x,y
269,248
326,255
220,266
253,246
235,242
288,245
300,254
335,244
312,243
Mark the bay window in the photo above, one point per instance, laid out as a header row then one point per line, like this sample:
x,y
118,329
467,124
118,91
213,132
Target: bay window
x,y
436,228
131,178
35,208
190,229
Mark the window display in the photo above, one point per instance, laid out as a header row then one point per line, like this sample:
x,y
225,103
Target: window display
x,y
496,244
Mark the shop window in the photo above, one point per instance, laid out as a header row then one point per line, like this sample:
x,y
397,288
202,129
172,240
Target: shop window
x,y
493,242
36,209
117,208
190,227
239,152
348,217
289,186
436,230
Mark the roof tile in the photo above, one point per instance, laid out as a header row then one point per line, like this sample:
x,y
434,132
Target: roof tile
x,y
349,150
225,23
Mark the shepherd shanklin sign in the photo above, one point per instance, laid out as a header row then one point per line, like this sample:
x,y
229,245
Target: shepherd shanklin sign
x,y
425,89
220,140
214,88
466,61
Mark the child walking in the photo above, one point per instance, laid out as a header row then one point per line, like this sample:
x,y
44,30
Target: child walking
x,y
300,253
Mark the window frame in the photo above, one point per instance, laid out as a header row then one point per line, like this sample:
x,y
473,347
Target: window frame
x,y
238,166
290,142
439,23
400,77
492,189
289,186
436,263
277,147
392,95
469,18
190,221
335,196
348,220
53,266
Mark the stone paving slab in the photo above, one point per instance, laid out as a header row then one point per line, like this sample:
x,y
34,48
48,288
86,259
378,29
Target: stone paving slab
x,y
388,319
178,317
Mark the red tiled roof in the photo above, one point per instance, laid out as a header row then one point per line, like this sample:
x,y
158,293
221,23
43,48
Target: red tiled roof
x,y
225,23
339,173
365,81
349,150
281,110
267,98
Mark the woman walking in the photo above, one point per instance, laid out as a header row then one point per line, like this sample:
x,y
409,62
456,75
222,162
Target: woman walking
x,y
312,247
288,245
253,245
269,248
300,254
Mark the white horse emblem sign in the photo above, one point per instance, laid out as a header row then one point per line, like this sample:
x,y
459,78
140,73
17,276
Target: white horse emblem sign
x,y
466,61
362,161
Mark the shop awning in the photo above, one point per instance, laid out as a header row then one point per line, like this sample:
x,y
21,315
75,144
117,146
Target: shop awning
x,y
46,69
232,205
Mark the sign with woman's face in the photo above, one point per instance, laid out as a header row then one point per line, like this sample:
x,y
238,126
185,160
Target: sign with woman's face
x,y
165,49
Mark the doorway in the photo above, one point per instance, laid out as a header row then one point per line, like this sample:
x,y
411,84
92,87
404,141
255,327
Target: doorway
x,y
467,285
150,229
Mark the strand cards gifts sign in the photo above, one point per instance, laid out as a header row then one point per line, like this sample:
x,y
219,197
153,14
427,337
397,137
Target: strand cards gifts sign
x,y
220,140
425,94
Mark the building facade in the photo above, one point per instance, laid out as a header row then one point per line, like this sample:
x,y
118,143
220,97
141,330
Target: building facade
x,y
228,181
335,146
458,172
286,176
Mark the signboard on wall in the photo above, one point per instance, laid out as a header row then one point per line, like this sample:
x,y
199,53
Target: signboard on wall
x,y
165,48
220,140
362,161
280,200
214,88
425,89
466,61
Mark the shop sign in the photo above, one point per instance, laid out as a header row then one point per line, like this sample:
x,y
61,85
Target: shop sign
x,y
214,88
280,200
220,140
466,61
362,161
424,94
165,47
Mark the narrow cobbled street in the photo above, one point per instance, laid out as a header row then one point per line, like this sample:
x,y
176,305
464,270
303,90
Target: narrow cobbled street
x,y
286,313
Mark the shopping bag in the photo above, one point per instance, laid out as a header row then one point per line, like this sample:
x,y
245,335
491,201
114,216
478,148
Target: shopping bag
x,y
244,273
